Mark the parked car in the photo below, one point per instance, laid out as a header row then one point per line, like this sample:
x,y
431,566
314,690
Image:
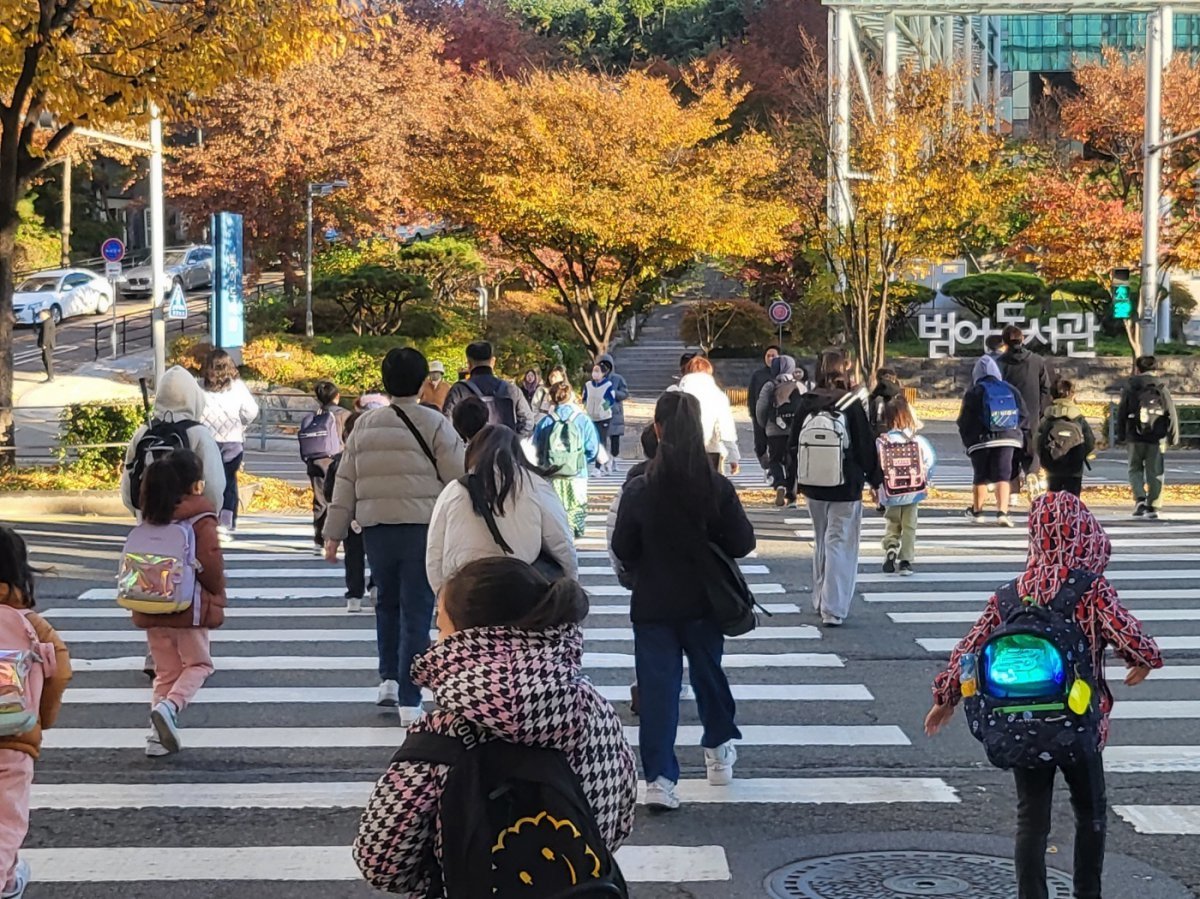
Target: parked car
x,y
190,267
66,292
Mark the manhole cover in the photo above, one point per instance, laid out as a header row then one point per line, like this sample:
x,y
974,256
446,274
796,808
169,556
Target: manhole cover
x,y
888,875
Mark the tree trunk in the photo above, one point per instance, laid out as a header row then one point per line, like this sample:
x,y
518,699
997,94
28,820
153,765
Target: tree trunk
x,y
66,211
8,246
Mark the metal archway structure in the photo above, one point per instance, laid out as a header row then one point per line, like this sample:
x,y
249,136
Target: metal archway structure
x,y
967,32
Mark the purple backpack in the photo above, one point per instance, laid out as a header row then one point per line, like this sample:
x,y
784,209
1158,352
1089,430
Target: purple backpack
x,y
319,437
159,567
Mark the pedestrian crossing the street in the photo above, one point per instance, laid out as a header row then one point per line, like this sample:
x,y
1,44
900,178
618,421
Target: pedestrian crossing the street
x,y
287,729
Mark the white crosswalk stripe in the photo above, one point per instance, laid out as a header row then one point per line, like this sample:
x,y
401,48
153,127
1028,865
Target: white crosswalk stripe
x,y
290,651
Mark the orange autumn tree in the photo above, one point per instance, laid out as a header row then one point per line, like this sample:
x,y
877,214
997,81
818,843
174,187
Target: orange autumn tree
x,y
602,184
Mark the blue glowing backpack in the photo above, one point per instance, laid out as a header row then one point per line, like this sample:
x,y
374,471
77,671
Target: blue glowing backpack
x,y
1035,703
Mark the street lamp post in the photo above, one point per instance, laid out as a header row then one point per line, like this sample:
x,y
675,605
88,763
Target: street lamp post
x,y
315,189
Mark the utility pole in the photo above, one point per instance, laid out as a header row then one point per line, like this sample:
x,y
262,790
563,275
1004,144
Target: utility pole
x,y
1152,187
65,228
308,254
158,230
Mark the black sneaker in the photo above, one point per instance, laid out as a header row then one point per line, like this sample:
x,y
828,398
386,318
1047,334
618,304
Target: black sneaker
x,y
889,564
906,569
1152,513
973,516
1139,511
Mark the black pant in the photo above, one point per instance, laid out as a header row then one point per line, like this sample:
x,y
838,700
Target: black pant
x,y
356,565
762,442
1061,483
777,452
48,361
614,443
317,469
230,501
1035,794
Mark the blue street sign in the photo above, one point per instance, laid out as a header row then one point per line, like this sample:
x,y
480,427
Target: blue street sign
x,y
227,324
177,307
113,250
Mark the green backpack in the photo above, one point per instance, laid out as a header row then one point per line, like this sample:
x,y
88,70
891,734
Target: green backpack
x,y
561,449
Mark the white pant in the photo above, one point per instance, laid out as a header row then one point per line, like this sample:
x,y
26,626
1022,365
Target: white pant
x,y
836,528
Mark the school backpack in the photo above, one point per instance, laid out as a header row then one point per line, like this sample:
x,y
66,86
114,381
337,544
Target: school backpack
x,y
514,822
824,440
561,448
999,408
1151,422
25,663
160,440
1035,702
905,476
501,409
785,403
158,569
1061,440
318,436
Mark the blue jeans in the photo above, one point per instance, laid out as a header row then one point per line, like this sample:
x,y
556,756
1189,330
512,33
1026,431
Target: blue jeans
x,y
404,608
658,653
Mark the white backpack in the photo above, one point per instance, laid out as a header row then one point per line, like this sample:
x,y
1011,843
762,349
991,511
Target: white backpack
x,y
25,663
824,441
158,569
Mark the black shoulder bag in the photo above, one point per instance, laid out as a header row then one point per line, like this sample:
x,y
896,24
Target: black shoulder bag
x,y
420,441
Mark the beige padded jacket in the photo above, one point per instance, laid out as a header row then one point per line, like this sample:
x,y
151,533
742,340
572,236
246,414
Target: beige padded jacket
x,y
384,476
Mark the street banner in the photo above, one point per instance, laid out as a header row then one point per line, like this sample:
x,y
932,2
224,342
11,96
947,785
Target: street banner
x,y
227,315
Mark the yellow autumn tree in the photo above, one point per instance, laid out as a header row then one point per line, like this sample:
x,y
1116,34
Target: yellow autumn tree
x,y
920,180
601,183
66,64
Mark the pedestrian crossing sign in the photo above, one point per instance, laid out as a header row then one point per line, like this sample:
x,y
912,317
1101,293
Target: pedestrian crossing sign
x,y
177,307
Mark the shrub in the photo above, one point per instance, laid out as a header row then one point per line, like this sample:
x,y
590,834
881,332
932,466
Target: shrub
x,y
188,351
373,296
98,423
981,294
726,325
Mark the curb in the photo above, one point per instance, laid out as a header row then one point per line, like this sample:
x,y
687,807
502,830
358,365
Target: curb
x,y
24,504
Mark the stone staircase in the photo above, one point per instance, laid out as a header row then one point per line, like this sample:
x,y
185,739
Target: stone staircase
x,y
651,364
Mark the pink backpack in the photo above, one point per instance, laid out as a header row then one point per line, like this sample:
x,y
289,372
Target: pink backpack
x,y
25,663
158,569
905,477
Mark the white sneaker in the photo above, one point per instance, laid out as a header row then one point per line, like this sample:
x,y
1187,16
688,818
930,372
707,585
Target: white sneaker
x,y
831,620
163,720
720,762
354,604
319,551
154,747
685,692
20,881
410,715
389,694
661,795
224,535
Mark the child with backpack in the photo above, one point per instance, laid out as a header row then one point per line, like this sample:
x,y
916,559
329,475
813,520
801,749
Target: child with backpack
x,y
907,461
1065,441
34,670
600,400
775,409
522,782
1148,422
994,427
320,438
354,551
1035,702
172,578
567,441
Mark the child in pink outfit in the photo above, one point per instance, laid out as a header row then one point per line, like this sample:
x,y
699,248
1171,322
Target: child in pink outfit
x,y
173,491
19,752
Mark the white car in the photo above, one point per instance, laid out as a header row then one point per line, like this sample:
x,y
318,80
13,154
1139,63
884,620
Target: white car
x,y
66,292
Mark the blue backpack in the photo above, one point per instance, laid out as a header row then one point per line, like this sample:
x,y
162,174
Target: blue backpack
x,y
999,408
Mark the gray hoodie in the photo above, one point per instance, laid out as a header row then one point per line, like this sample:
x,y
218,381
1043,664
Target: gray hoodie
x,y
180,398
783,371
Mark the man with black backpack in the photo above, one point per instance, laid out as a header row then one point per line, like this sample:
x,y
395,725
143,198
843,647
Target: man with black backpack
x,y
1064,440
775,409
506,402
1147,422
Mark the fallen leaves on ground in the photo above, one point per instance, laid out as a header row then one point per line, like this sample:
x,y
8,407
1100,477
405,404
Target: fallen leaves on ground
x,y
274,495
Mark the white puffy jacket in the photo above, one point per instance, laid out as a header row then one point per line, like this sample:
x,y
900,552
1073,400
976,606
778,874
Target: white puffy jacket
x,y
227,412
716,415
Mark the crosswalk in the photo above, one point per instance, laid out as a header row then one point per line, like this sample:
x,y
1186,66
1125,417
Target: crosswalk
x,y
959,564
287,730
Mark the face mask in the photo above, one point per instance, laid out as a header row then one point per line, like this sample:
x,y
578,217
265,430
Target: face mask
x,y
435,376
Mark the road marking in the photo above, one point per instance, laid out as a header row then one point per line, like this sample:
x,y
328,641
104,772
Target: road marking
x,y
953,617
354,635
817,790
370,663
1162,819
939,644
366,695
95,612
995,577
1018,560
64,738
1149,759
109,594
1171,672
980,597
335,572
639,864
1166,709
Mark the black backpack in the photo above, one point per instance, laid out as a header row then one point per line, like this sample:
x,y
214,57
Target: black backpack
x,y
1149,413
515,823
1037,703
1062,441
160,439
501,408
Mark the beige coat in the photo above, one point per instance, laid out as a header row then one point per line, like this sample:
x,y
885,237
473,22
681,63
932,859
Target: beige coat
x,y
384,477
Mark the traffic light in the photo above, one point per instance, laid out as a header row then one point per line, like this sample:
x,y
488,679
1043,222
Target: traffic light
x,y
1122,308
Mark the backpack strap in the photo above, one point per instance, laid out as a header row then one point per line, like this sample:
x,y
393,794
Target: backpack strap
x,y
420,440
1071,593
481,509
436,749
474,388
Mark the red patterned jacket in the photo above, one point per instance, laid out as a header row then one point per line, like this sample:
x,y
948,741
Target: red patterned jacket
x,y
1064,535
497,683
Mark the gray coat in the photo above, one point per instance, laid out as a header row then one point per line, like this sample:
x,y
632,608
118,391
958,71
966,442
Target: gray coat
x,y
616,425
783,371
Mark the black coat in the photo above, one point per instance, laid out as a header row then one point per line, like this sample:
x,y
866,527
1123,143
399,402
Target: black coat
x,y
490,385
861,463
666,550
1027,372
47,334
975,436
761,377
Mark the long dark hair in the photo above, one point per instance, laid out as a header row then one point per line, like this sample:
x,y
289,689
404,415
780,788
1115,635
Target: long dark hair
x,y
219,371
681,468
15,569
506,592
495,460
833,370
166,482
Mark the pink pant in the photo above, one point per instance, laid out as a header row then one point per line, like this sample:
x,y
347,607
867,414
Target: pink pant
x,y
182,663
16,777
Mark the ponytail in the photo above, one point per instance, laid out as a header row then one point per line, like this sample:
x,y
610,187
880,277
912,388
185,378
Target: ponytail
x,y
564,602
506,592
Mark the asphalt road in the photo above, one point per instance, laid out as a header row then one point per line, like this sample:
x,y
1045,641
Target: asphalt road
x,y
833,759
